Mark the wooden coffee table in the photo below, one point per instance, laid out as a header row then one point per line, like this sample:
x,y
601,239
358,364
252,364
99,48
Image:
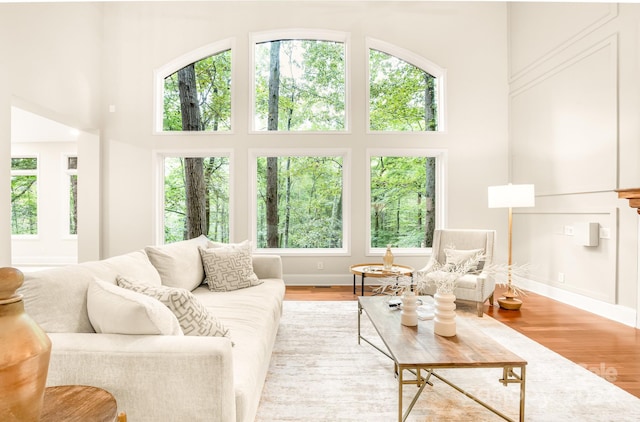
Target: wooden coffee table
x,y
420,351
79,403
377,270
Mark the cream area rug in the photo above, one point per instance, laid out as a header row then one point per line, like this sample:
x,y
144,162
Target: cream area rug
x,y
319,372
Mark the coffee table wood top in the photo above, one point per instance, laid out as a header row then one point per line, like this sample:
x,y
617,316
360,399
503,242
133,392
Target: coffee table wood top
x,y
78,403
420,346
377,270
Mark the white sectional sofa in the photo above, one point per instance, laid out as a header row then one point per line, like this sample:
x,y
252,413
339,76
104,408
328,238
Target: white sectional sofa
x,y
158,377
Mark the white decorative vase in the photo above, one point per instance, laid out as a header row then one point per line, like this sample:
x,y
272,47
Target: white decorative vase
x,y
444,323
408,315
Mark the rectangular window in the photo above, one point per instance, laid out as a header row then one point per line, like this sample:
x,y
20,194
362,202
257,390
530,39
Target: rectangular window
x,y
196,198
72,174
24,196
404,199
300,201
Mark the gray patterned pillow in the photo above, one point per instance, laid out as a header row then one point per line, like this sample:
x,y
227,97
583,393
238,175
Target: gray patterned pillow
x,y
193,316
229,268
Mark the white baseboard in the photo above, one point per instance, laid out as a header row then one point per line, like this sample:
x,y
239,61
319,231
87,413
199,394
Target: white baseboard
x,y
621,314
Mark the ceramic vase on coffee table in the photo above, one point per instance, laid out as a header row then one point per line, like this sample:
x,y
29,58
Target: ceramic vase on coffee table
x,y
444,322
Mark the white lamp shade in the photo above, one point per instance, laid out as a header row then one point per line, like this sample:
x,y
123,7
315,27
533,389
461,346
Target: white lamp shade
x,y
511,196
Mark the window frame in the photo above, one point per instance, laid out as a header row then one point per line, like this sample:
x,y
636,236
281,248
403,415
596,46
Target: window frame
x,y
441,164
300,34
178,63
36,173
66,210
439,73
345,153
159,157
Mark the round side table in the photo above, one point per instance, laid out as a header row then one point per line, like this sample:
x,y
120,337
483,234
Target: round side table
x,y
78,403
377,270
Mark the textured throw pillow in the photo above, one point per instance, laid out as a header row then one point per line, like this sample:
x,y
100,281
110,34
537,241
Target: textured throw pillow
x,y
114,310
460,256
229,268
193,316
179,263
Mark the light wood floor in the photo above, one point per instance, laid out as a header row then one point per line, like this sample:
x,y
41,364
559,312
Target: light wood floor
x,y
610,349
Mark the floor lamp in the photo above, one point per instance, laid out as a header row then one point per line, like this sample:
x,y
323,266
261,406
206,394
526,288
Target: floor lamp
x,y
511,196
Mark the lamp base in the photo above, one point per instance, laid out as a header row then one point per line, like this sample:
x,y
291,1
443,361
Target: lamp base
x,y
509,301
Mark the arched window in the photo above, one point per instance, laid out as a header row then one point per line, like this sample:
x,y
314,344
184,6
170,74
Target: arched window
x,y
404,90
195,91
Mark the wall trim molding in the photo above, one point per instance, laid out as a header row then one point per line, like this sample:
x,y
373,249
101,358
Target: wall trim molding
x,y
609,41
610,15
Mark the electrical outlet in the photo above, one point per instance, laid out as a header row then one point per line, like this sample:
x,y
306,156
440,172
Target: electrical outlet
x,y
605,233
560,277
320,265
568,230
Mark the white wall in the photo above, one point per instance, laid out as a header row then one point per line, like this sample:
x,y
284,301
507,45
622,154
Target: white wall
x,y
574,128
469,40
50,62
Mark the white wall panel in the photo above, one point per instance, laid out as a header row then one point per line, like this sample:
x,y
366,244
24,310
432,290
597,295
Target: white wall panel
x,y
539,30
545,240
564,125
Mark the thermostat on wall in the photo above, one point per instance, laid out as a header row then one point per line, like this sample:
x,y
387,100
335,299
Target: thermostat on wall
x,y
586,234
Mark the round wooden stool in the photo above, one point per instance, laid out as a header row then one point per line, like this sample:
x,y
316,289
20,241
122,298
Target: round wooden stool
x,y
79,403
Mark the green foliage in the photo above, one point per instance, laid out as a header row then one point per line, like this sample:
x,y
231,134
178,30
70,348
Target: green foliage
x,y
213,80
216,170
24,205
312,85
27,163
309,202
73,204
398,205
402,96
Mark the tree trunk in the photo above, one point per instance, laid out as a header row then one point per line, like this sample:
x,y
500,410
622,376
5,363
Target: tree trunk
x,y
195,185
429,117
195,195
430,202
287,218
272,162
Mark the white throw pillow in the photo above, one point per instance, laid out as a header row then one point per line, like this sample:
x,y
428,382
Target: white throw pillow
x,y
179,263
460,256
114,310
229,268
194,318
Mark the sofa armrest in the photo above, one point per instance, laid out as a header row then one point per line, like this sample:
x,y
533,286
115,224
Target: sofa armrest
x,y
152,377
267,266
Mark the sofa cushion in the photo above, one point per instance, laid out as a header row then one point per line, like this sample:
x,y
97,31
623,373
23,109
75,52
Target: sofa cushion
x,y
229,268
194,318
56,298
179,264
115,310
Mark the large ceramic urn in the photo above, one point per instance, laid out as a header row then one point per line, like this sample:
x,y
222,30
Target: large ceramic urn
x,y
24,354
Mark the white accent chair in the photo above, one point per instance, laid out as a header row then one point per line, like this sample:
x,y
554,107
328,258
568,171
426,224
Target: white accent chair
x,y
470,287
